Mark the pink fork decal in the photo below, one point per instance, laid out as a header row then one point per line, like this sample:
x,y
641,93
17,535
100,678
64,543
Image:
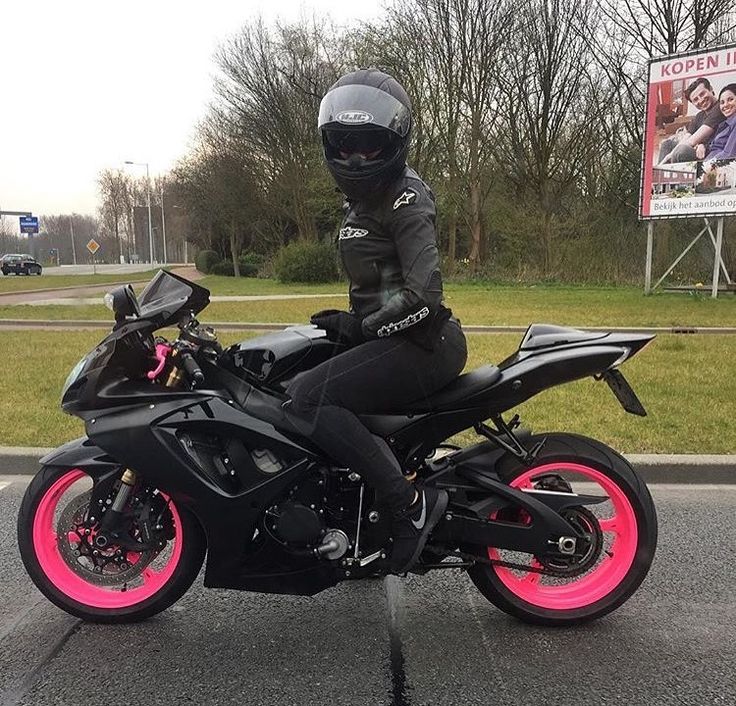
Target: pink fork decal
x,y
162,351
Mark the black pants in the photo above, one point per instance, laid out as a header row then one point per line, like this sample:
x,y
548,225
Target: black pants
x,y
372,378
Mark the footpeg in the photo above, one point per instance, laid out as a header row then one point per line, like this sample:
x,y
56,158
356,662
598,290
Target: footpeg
x,y
380,554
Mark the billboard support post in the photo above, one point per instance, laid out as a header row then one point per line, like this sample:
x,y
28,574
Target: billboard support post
x,y
718,248
650,250
718,263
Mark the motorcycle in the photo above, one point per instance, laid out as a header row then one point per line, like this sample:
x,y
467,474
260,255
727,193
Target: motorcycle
x,y
188,451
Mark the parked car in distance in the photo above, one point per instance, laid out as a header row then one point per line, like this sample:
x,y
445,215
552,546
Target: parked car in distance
x,y
19,265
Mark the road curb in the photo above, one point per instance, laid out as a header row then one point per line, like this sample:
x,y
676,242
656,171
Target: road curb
x,y
655,468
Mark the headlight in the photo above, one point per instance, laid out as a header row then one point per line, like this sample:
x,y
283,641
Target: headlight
x,y
73,375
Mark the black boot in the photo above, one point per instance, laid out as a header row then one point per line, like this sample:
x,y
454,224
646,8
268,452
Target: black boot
x,y
411,527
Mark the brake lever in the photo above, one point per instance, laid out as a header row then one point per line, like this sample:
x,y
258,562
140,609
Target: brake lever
x,y
162,352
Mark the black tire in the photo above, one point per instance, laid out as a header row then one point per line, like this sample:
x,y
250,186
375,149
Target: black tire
x,y
184,574
577,449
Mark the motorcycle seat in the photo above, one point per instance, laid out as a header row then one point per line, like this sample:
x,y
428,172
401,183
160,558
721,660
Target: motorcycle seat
x,y
453,396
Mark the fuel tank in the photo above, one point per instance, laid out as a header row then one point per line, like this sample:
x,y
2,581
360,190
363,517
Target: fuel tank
x,y
273,360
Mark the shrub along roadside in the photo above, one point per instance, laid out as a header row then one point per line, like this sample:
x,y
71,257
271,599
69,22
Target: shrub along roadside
x,y
680,380
224,267
206,260
307,262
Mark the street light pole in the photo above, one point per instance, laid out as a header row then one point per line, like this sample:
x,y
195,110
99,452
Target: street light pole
x,y
163,221
71,230
148,193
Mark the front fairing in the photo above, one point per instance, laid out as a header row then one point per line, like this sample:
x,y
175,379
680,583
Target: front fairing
x,y
127,353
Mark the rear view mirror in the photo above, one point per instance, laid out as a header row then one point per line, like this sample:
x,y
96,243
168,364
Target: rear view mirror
x,y
123,303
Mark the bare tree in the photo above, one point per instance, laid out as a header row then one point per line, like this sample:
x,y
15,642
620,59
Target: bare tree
x,y
115,192
546,109
220,194
268,99
449,55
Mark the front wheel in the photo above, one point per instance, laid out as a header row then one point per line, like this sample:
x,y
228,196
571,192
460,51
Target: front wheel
x,y
113,584
621,537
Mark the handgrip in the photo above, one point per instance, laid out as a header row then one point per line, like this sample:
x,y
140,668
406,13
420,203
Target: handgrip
x,y
196,376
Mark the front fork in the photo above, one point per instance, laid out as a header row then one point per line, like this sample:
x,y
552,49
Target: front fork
x,y
112,520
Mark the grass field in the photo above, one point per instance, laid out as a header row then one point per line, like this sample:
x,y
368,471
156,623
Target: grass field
x,y
686,383
489,305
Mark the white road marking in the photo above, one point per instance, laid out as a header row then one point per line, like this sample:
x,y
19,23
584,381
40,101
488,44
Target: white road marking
x,y
4,485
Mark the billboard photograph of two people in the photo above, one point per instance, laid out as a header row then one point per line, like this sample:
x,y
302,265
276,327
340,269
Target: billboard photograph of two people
x,y
689,165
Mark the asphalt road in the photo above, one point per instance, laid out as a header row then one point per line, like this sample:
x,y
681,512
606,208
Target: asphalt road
x,y
399,642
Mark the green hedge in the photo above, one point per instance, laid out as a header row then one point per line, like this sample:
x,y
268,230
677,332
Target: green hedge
x,y
224,267
306,262
206,260
250,264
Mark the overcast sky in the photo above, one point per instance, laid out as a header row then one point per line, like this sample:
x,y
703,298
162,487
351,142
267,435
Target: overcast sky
x,y
88,84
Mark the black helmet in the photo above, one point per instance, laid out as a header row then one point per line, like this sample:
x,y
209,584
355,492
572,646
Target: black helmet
x,y
365,121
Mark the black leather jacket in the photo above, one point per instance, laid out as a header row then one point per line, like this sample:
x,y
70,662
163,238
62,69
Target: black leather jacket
x,y
389,251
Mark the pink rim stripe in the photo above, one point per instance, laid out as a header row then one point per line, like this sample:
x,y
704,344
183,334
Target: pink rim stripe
x,y
607,574
71,584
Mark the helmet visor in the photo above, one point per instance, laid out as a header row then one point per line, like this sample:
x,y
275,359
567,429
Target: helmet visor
x,y
359,141
351,107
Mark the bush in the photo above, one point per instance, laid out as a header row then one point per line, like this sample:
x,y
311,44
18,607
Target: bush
x,y
250,263
206,260
306,262
224,267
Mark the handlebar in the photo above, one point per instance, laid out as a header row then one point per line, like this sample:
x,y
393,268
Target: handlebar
x,y
196,376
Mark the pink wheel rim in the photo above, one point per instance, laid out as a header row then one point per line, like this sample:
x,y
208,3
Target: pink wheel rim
x,y
605,576
61,575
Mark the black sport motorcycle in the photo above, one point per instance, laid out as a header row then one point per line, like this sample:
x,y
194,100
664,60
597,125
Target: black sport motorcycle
x,y
188,452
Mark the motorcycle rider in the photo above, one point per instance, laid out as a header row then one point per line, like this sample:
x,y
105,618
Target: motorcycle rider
x,y
404,344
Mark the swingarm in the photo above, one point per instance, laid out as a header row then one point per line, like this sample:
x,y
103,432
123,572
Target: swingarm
x,y
527,520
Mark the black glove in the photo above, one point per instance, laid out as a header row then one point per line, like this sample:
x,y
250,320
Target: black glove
x,y
341,326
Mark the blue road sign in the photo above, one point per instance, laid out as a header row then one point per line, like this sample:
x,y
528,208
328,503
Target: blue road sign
x,y
29,224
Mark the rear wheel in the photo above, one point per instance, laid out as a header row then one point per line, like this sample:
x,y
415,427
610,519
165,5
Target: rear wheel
x,y
110,584
609,564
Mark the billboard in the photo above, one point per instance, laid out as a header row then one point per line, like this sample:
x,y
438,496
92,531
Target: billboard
x,y
689,161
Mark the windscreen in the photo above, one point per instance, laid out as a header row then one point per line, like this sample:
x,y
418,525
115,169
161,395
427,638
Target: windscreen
x,y
167,296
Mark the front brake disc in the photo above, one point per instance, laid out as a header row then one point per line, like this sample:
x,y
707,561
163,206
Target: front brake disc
x,y
110,566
